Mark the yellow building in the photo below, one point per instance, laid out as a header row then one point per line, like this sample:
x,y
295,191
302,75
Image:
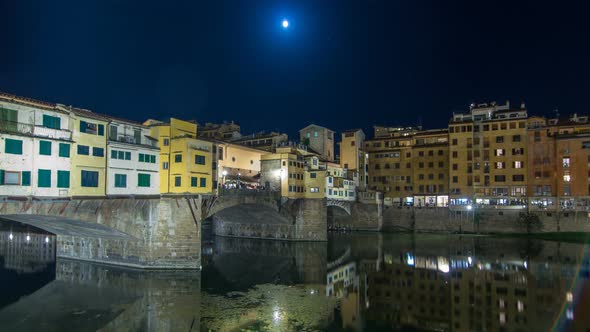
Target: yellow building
x,y
390,164
186,162
314,178
235,163
487,155
353,156
430,159
88,169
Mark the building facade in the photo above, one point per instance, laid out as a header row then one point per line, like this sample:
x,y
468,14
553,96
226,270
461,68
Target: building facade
x,y
133,159
353,156
36,148
319,139
236,166
430,160
263,141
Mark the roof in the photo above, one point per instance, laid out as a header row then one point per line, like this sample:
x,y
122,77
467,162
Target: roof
x,y
314,125
26,101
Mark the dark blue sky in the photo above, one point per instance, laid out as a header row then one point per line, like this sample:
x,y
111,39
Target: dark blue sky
x,y
342,64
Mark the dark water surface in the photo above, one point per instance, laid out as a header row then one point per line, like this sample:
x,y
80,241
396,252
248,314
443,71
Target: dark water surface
x,y
354,282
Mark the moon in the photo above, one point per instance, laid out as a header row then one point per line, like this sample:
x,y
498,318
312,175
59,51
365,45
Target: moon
x,y
285,23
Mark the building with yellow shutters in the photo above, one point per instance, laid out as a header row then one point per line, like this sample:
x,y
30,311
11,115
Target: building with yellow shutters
x,y
88,168
185,161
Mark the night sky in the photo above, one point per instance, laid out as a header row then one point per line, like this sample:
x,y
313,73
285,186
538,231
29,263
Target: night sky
x,y
341,64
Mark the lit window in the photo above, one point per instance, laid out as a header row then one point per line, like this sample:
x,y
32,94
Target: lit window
x,y
566,178
518,164
566,162
502,318
520,306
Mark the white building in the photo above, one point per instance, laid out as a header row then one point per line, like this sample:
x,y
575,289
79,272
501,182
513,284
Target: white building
x,y
132,160
338,184
35,148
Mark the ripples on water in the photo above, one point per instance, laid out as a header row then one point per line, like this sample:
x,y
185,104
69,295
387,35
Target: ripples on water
x,y
355,282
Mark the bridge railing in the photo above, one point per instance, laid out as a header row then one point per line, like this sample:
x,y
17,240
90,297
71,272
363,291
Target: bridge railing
x,y
248,192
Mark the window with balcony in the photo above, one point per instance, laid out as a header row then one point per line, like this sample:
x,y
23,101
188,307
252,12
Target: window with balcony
x,y
52,122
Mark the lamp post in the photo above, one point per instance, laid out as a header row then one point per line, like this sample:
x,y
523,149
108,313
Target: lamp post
x,y
239,174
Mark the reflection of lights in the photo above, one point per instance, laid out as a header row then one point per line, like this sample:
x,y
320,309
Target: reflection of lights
x,y
410,259
520,306
28,238
47,239
312,292
443,264
525,265
469,260
276,314
502,318
367,304
469,207
10,236
569,297
569,313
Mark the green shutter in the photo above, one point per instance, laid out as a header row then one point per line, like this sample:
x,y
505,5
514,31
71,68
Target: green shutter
x,y
1,176
83,126
26,178
141,157
63,179
121,155
13,146
101,130
8,119
153,159
203,182
120,181
194,182
143,180
114,154
45,148
64,150
127,155
44,178
51,122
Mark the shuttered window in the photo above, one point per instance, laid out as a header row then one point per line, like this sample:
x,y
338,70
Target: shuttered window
x,y
63,179
13,146
26,178
98,152
194,181
120,181
51,121
203,182
143,180
44,178
89,179
45,148
64,150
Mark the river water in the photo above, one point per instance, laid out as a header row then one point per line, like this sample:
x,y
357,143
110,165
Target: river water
x,y
354,282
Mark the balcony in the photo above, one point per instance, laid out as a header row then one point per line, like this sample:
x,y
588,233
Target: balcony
x,y
129,139
31,130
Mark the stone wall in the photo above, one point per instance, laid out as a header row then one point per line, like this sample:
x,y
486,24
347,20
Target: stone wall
x,y
362,217
164,230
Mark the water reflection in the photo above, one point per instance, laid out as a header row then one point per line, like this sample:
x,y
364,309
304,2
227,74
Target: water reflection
x,y
358,282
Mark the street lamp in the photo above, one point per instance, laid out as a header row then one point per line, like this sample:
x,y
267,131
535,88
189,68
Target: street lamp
x,y
224,173
239,174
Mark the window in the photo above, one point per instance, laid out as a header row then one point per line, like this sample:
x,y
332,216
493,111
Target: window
x,y
63,179
10,178
88,128
499,139
517,164
166,141
83,150
308,135
315,134
178,158
13,146
199,159
90,179
312,175
214,165
120,181
314,190
53,122
499,152
516,138
101,130
177,181
203,182
455,154
45,148
518,178
194,181
26,178
127,155
567,178
98,152
455,179
165,165
64,150
500,178
566,162
143,180
454,141
500,165
44,178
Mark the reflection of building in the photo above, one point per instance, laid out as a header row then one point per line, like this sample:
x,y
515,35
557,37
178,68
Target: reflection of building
x,y
26,252
430,161
340,278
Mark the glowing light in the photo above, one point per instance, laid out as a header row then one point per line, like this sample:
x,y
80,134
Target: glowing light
x,y
526,266
224,173
10,236
410,259
520,306
28,238
569,297
469,260
285,24
469,207
47,239
569,313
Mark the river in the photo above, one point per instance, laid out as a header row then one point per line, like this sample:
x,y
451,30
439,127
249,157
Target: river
x,y
354,282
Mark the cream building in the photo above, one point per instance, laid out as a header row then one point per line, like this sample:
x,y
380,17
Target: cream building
x,y
321,140
35,148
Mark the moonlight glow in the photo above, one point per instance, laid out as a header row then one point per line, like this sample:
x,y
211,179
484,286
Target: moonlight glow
x,y
285,24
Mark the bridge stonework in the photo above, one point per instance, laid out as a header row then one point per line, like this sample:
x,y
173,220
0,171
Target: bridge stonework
x,y
160,233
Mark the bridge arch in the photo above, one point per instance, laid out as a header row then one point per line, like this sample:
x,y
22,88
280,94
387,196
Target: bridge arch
x,y
346,206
